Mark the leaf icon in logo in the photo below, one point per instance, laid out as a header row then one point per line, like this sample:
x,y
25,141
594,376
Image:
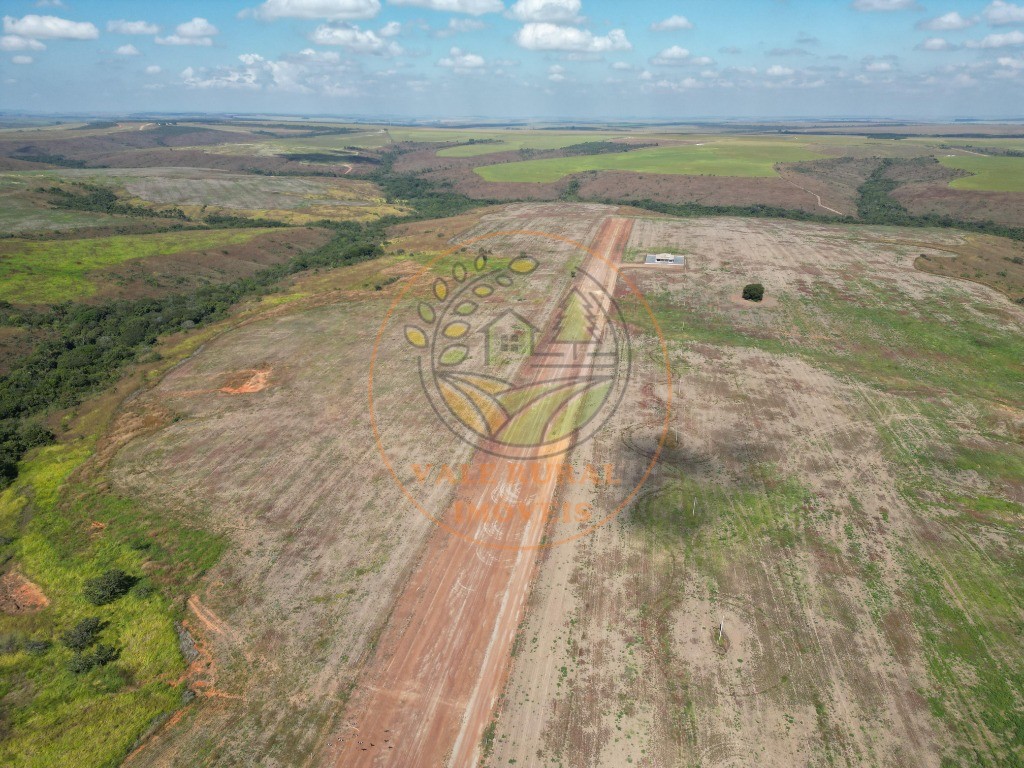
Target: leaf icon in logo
x,y
415,336
456,329
523,265
440,289
426,312
454,354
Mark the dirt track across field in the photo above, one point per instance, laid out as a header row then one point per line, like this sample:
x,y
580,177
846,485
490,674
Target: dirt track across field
x,y
431,691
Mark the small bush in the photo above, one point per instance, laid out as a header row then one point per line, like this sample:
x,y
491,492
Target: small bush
x,y
83,634
82,662
753,292
37,647
109,587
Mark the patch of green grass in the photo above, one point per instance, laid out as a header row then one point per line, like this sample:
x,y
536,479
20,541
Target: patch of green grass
x,y
51,271
718,158
90,718
990,174
510,141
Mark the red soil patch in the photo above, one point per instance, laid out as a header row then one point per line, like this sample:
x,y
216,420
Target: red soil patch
x,y
19,595
247,382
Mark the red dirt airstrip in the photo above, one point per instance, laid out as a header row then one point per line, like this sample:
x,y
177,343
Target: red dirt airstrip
x,y
432,688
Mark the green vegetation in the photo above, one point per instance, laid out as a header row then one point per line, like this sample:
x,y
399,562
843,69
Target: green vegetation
x,y
486,143
990,174
876,206
108,586
85,700
753,292
38,272
719,158
919,359
103,200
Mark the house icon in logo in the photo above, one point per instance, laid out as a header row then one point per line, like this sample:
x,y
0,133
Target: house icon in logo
x,y
508,336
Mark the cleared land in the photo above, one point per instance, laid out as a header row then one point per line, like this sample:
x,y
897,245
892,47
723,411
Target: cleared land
x,y
989,174
727,158
851,443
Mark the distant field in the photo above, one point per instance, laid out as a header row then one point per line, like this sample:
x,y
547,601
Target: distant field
x,y
509,141
739,158
991,174
19,214
34,272
295,199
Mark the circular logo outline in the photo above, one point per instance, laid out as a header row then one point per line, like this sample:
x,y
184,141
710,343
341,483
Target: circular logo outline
x,y
440,523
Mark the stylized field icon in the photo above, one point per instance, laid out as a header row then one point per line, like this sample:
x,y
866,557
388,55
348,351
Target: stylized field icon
x,y
500,381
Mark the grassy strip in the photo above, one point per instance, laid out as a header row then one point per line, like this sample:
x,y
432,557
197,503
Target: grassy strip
x,y
52,271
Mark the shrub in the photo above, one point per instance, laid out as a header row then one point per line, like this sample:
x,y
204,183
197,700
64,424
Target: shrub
x,y
753,292
83,634
83,662
109,587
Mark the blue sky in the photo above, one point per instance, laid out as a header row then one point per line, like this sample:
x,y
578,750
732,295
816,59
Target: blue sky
x,y
517,58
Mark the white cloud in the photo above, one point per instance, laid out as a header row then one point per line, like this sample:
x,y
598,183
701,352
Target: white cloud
x,y
999,40
198,31
460,61
331,10
999,12
223,78
179,40
556,73
554,37
50,28
455,26
546,10
127,50
472,7
153,69
391,29
963,80
936,44
673,55
198,27
19,43
676,56
948,22
49,4
622,66
21,59
1010,63
122,27
355,39
777,70
672,23
884,5
878,66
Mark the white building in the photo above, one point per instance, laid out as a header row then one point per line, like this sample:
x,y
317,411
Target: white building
x,y
666,258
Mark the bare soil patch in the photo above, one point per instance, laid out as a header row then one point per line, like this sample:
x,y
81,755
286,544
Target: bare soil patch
x,y
19,595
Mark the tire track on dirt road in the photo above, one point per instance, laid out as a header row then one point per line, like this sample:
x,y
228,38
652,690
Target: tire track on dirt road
x,y
432,688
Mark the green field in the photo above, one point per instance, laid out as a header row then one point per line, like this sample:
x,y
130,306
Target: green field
x,y
991,174
36,272
732,158
509,141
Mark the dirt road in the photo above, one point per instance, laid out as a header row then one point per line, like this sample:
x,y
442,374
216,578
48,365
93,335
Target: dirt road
x,y
430,692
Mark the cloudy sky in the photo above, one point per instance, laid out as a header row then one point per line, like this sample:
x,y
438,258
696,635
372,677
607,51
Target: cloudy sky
x,y
518,58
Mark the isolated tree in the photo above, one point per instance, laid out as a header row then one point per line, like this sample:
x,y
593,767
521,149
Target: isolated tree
x,y
83,634
108,587
753,292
